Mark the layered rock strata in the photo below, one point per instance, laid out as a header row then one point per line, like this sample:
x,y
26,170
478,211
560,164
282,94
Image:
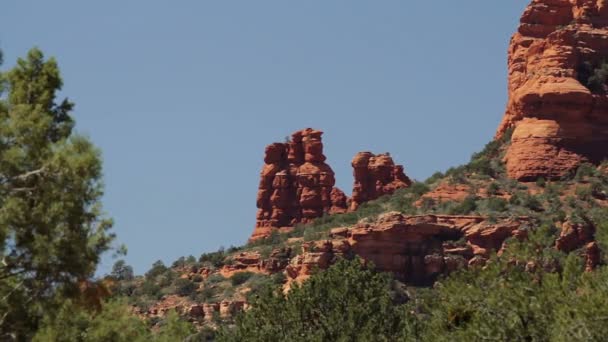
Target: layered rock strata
x,y
375,176
557,109
253,262
296,185
416,249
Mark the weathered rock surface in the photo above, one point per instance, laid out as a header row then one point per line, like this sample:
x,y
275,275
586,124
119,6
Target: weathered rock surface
x,y
201,312
375,176
558,120
415,248
446,192
592,256
296,185
253,262
574,236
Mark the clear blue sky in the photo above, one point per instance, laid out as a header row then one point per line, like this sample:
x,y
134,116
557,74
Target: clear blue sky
x,y
183,96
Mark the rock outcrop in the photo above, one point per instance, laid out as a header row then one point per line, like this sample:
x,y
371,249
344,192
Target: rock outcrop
x,y
296,184
416,249
375,176
558,112
574,236
253,262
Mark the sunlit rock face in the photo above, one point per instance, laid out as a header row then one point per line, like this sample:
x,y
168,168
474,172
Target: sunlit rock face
x,y
375,176
415,249
557,109
296,185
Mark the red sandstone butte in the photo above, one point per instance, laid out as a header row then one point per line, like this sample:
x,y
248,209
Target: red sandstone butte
x,y
375,176
296,185
558,121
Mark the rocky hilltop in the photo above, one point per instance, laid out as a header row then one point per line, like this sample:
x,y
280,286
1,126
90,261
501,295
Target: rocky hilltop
x,y
558,104
297,185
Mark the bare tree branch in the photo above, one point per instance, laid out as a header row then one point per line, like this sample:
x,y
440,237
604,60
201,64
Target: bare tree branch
x,y
29,174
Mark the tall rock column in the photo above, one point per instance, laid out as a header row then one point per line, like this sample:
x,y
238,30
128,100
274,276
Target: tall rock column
x,y
375,176
296,185
557,109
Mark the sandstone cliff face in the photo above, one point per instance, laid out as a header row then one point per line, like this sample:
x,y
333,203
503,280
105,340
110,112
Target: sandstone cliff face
x,y
416,249
558,121
375,176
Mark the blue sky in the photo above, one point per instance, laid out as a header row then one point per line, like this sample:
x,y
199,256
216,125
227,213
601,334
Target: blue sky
x,y
183,96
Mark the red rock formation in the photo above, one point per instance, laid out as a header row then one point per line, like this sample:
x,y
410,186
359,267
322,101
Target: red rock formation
x,y
446,192
558,121
209,310
296,184
253,262
592,256
574,235
375,175
415,248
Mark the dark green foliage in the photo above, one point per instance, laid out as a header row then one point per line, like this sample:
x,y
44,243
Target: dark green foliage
x,y
215,278
419,189
497,204
240,278
278,278
584,171
72,324
493,188
347,302
466,207
151,289
157,269
594,77
121,271
217,259
526,200
206,334
52,230
184,287
434,178
541,182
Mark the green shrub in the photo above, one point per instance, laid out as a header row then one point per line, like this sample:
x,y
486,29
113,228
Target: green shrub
x,y
205,295
541,182
493,188
595,77
240,278
151,289
434,178
217,259
157,269
419,188
466,207
584,193
585,170
497,204
215,278
347,302
184,287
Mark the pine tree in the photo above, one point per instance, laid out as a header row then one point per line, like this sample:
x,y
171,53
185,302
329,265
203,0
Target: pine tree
x,y
52,229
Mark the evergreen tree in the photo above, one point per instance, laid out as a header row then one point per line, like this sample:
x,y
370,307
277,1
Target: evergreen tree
x,y
52,230
347,302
